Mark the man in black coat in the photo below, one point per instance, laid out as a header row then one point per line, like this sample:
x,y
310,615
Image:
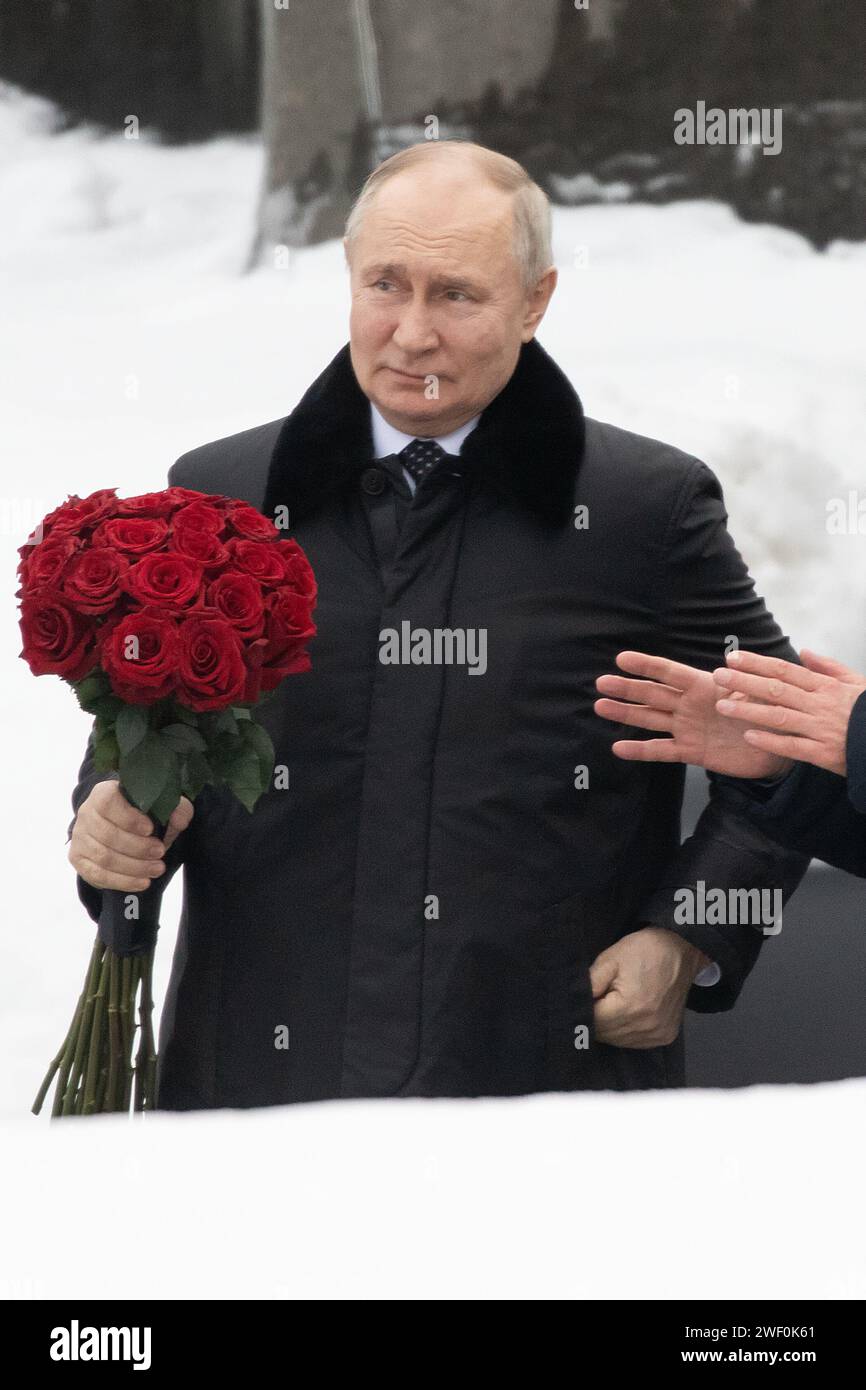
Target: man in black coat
x,y
460,891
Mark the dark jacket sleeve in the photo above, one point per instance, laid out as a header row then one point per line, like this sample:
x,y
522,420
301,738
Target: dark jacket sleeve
x,y
706,597
87,779
817,811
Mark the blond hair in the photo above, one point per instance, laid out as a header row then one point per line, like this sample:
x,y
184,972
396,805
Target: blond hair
x,y
532,222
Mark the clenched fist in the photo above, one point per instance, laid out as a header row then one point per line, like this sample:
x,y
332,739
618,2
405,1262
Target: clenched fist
x,y
113,845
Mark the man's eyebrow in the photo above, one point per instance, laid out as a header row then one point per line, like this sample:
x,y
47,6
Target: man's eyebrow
x,y
381,271
397,270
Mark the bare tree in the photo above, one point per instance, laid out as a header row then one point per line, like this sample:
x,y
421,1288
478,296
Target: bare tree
x,y
336,71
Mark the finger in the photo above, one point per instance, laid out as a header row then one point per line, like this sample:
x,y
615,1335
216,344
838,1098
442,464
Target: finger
x,y
636,715
182,814
773,717
656,668
109,858
102,878
178,821
115,808
773,668
771,691
804,750
826,666
648,750
609,1013
136,846
640,692
602,974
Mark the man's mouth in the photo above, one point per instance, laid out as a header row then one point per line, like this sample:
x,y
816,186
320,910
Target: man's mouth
x,y
410,376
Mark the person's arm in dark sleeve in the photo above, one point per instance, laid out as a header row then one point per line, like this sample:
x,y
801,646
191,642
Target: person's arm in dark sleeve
x,y
819,812
706,597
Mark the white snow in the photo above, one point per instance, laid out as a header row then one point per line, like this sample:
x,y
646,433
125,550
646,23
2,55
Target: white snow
x,y
130,335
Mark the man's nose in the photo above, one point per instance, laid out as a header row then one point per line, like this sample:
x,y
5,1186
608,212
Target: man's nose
x,y
414,331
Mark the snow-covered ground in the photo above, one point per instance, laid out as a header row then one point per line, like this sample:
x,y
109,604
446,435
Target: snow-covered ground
x,y
747,1195
130,334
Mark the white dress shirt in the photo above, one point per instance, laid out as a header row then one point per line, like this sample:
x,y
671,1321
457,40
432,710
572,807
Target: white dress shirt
x,y
388,440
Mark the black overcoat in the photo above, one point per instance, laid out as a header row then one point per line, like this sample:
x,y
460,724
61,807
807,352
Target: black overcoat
x,y
419,909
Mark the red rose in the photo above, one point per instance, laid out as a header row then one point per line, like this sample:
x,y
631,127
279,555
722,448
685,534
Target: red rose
x,y
199,516
146,504
203,546
180,496
288,628
211,669
298,572
57,640
77,512
165,578
94,581
43,564
139,653
239,599
259,558
136,534
251,524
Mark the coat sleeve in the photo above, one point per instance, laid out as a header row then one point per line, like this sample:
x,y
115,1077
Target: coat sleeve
x,y
87,779
706,597
819,813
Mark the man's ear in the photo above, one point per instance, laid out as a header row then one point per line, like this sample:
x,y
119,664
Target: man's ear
x,y
537,301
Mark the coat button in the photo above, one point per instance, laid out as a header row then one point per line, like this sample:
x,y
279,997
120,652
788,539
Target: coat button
x,y
373,481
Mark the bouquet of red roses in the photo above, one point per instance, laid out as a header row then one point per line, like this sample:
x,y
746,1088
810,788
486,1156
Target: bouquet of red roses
x,y
171,615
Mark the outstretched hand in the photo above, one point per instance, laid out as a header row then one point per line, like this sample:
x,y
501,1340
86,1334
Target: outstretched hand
x,y
680,702
800,712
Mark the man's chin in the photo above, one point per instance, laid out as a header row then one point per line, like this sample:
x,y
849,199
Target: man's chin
x,y
405,402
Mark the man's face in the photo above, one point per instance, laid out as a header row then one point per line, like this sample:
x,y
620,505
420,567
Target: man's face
x,y
438,308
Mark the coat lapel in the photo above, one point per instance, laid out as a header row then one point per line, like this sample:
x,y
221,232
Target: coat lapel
x,y
527,445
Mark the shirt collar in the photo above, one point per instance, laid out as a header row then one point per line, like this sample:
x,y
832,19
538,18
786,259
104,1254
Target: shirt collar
x,y
388,440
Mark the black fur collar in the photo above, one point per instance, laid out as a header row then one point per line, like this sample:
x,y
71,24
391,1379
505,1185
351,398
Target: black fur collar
x,y
527,445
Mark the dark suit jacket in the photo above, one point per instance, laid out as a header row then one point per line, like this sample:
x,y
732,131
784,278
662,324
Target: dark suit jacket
x,y
422,905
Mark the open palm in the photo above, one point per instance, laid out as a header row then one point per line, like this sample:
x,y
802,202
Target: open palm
x,y
680,702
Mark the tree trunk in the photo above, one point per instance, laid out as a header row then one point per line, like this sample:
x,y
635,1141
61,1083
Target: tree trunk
x,y
332,71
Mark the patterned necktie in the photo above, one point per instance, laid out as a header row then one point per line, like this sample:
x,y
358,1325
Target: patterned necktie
x,y
420,457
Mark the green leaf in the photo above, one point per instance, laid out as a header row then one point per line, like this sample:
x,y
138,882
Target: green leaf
x,y
185,715
107,707
146,769
106,754
182,737
195,774
91,689
258,738
169,796
243,775
131,726
225,723
241,712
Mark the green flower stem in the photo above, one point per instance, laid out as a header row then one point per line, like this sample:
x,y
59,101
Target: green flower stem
x,y
115,1040
81,1040
97,1041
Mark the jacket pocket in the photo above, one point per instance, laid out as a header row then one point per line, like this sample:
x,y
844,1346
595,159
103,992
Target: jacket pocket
x,y
570,1046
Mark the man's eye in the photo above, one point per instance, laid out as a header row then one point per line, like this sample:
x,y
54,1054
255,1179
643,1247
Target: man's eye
x,y
456,295
382,284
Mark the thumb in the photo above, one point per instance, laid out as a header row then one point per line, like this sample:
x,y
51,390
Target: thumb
x,y
178,820
826,666
603,972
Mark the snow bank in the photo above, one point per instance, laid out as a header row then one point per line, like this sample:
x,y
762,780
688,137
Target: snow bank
x,y
698,1194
